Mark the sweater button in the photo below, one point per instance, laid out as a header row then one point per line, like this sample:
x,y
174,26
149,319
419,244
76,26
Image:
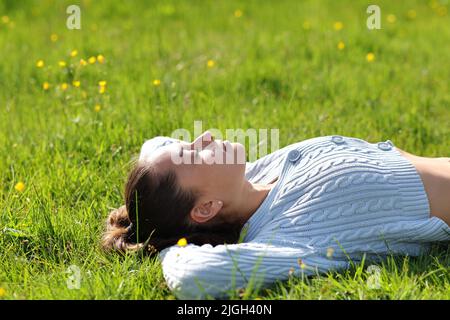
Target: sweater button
x,y
293,155
384,146
337,139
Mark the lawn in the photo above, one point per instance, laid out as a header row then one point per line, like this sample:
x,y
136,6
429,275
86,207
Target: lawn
x,y
76,106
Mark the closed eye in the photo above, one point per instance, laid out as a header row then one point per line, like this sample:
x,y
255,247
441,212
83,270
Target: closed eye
x,y
196,152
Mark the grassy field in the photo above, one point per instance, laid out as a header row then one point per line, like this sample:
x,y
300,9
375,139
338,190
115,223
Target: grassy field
x,y
68,129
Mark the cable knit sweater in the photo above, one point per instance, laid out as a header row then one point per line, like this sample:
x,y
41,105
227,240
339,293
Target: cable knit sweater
x,y
336,199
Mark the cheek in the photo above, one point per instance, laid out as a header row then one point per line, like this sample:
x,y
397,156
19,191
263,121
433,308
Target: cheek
x,y
187,175
197,176
227,176
210,178
214,176
232,171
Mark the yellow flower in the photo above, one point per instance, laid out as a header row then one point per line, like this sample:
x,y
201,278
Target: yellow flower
x,y
102,86
64,86
20,186
330,252
92,60
411,14
97,108
156,82
182,242
238,13
83,62
391,18
40,63
341,45
338,25
73,53
100,58
62,64
76,83
306,25
2,292
370,57
53,37
5,19
301,264
210,63
46,85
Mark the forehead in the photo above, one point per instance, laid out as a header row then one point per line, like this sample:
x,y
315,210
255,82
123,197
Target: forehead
x,y
165,155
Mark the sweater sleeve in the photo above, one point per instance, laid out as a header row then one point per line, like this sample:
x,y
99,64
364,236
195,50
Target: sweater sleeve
x,y
199,272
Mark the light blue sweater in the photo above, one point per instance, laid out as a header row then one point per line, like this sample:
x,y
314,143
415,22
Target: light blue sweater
x,y
336,199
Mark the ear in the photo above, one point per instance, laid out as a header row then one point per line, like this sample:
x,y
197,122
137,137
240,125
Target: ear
x,y
206,210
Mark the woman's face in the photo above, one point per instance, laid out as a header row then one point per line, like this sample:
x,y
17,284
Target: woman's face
x,y
213,167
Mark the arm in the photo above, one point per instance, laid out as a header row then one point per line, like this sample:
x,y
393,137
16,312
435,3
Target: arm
x,y
198,272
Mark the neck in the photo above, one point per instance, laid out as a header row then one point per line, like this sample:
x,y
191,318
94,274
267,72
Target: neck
x,y
250,199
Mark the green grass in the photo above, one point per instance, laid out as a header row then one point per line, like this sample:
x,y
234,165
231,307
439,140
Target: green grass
x,y
271,71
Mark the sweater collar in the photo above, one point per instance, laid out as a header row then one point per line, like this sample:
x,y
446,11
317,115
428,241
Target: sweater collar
x,y
262,215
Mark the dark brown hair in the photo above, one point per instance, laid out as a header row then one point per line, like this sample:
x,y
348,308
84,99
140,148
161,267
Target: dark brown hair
x,y
156,215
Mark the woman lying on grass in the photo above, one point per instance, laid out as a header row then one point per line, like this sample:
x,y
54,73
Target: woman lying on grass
x,y
313,206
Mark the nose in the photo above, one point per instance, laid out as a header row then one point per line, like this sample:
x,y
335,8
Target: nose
x,y
202,141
